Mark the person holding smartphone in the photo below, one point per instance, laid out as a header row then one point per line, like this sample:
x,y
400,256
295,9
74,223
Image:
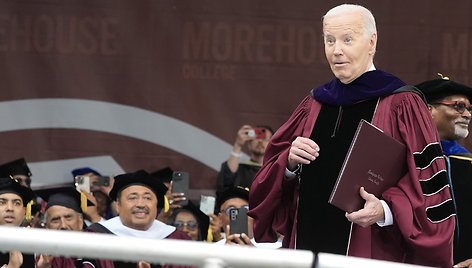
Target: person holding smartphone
x,y
98,190
165,175
227,202
233,172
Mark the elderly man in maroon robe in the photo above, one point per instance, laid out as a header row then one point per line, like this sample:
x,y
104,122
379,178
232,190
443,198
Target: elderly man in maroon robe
x,y
412,222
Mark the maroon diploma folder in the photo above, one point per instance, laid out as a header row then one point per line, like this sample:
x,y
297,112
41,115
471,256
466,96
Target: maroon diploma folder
x,y
375,161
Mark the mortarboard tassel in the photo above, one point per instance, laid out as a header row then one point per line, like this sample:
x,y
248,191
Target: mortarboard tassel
x,y
166,204
209,235
83,202
28,211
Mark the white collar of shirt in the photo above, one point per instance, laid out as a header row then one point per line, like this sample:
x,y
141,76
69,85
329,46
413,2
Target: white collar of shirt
x,y
372,68
158,230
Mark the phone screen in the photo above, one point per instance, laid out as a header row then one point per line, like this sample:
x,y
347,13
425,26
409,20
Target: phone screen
x,y
260,133
103,181
238,221
82,183
207,204
180,184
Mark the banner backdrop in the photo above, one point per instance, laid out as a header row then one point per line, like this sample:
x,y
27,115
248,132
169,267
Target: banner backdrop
x,y
154,83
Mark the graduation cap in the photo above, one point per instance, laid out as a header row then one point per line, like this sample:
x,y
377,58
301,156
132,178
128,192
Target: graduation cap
x,y
141,177
440,88
202,218
233,192
84,170
15,167
163,175
65,196
9,185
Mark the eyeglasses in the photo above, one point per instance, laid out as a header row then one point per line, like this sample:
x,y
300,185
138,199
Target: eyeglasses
x,y
226,210
191,225
459,106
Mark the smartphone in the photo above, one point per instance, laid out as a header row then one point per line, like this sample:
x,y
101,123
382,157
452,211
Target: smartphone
x,y
180,184
103,181
207,204
258,133
82,183
238,221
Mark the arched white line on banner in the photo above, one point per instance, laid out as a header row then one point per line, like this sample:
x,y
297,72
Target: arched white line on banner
x,y
117,119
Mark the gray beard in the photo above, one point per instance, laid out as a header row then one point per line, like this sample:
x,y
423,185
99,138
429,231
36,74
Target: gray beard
x,y
460,132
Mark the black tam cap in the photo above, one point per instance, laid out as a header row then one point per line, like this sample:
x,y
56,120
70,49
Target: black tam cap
x,y
15,167
67,197
9,185
234,192
163,175
140,177
440,88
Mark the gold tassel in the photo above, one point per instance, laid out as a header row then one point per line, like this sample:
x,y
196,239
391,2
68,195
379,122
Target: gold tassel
x,y
209,235
28,211
83,202
166,204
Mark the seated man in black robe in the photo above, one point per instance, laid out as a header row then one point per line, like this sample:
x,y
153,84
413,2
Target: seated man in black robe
x,y
138,196
14,199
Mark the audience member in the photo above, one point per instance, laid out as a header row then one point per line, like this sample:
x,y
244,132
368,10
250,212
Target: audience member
x,y
138,196
64,211
449,105
98,194
15,205
18,169
303,159
236,173
165,175
193,222
236,197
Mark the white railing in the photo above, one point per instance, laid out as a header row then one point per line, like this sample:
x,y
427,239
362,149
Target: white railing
x,y
103,246
201,254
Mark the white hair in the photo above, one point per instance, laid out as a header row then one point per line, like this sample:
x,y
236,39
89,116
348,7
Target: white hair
x,y
369,20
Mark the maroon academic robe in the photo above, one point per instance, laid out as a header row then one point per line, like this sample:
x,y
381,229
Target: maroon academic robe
x,y
65,262
417,236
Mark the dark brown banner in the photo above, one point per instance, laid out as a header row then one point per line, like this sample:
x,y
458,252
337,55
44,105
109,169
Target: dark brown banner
x,y
124,85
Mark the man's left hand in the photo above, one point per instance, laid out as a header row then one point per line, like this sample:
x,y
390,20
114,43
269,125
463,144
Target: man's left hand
x,y
371,213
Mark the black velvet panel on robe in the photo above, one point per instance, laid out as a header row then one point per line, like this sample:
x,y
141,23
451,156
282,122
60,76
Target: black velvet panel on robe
x,y
461,176
322,227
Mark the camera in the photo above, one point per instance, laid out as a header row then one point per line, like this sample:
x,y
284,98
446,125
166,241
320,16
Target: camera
x,y
258,133
234,214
